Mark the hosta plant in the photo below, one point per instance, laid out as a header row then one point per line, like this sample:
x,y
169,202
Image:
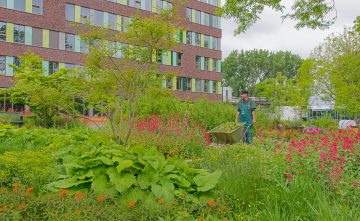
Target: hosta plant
x,y
135,175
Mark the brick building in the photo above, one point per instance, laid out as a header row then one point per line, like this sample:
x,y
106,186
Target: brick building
x,y
45,28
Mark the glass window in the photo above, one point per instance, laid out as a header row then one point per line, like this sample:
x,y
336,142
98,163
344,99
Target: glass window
x,y
70,12
19,34
37,34
207,19
99,18
84,48
2,31
214,87
197,17
69,42
169,83
3,3
206,41
19,5
188,14
188,37
198,62
179,57
206,86
214,65
54,40
198,85
147,5
37,7
53,67
124,23
2,65
112,21
85,15
197,39
17,62
206,64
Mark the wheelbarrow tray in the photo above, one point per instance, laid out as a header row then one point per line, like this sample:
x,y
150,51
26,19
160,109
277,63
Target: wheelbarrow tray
x,y
227,137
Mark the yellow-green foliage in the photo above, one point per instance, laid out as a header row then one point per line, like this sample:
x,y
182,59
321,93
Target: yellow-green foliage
x,y
27,167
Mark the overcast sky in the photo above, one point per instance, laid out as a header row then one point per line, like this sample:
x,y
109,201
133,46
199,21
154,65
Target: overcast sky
x,y
271,34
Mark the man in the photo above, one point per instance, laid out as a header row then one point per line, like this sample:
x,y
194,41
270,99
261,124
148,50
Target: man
x,y
246,111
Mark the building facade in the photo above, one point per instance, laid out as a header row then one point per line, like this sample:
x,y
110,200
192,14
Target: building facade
x,y
46,28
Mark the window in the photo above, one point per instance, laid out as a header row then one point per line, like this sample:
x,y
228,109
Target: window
x,y
179,57
37,37
37,7
70,12
188,37
99,18
197,39
197,17
2,31
2,65
214,87
147,5
198,62
19,5
17,62
112,21
3,3
214,65
206,86
169,83
69,42
85,15
54,39
183,84
206,64
188,14
53,67
206,41
19,34
198,85
84,48
124,23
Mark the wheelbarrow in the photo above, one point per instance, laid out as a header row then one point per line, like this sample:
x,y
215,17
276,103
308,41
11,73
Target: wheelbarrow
x,y
229,137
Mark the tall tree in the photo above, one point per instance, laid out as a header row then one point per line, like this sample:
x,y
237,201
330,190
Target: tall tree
x,y
308,13
245,69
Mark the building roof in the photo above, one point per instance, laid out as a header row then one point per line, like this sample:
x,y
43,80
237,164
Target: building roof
x,y
6,82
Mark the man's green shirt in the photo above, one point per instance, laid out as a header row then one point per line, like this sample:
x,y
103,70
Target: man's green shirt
x,y
245,109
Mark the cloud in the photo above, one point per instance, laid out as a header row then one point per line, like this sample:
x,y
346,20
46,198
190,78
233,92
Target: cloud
x,y
271,34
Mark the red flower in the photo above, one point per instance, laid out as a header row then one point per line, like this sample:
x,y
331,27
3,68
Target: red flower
x,y
211,203
131,204
78,212
355,184
100,198
22,206
78,195
63,192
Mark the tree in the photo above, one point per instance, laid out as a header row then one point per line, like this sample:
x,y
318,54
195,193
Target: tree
x,y
121,67
308,13
245,69
284,91
47,96
334,69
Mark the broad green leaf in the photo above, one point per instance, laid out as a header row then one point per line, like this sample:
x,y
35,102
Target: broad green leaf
x,y
67,183
126,181
106,161
124,164
148,177
101,185
179,180
89,174
206,182
163,192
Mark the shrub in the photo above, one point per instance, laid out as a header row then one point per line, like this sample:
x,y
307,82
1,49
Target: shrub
x,y
28,167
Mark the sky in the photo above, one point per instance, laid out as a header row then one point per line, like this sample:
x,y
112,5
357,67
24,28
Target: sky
x,y
272,34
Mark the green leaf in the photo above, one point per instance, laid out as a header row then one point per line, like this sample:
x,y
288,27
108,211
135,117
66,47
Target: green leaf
x,y
206,182
67,183
106,161
126,181
179,180
123,164
148,177
89,174
163,192
101,185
